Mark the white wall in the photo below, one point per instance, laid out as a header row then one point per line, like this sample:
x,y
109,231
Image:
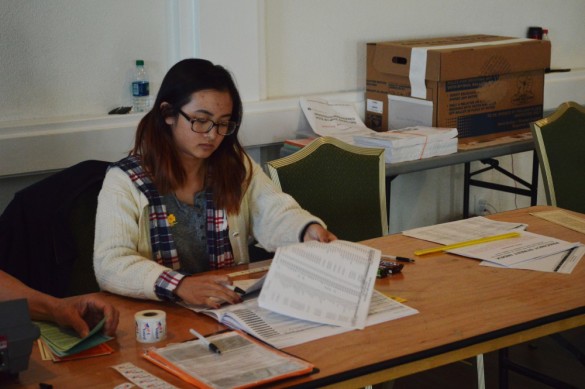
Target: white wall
x,y
65,63
323,41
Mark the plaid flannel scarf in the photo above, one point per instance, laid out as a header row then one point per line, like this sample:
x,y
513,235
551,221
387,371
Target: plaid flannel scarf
x,y
161,238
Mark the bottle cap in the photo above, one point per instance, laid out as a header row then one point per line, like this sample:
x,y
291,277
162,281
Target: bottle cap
x,y
534,33
139,62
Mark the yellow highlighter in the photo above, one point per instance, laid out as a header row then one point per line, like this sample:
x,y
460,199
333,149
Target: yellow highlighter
x,y
467,243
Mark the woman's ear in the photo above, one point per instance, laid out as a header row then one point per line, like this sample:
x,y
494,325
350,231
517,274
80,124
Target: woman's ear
x,y
164,109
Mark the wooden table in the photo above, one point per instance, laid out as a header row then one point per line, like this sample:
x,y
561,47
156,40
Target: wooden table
x,y
465,310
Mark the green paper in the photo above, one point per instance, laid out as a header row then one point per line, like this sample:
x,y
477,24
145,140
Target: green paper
x,y
65,341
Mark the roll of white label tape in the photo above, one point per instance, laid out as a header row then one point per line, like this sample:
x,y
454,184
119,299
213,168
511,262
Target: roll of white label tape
x,y
151,326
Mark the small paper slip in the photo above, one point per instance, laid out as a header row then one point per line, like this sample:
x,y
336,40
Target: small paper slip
x,y
140,377
251,270
243,362
563,218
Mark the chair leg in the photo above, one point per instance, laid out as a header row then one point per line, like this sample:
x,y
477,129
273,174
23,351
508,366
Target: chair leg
x,y
507,365
382,385
569,347
503,368
480,372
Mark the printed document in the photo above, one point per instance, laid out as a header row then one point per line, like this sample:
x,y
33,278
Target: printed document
x,y
410,143
463,230
529,251
340,120
244,362
563,262
312,290
284,331
328,283
337,119
508,252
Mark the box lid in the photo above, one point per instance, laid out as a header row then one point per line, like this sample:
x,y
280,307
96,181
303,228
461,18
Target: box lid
x,y
452,58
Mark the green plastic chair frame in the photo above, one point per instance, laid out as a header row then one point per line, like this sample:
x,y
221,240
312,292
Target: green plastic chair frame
x,y
342,184
560,146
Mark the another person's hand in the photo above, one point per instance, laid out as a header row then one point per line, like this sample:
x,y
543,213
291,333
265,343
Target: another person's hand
x,y
208,290
316,232
82,313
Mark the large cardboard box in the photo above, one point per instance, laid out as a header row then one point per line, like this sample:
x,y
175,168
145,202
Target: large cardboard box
x,y
480,84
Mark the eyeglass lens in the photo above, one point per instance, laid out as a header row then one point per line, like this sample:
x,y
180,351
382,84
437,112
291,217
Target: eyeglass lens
x,y
206,125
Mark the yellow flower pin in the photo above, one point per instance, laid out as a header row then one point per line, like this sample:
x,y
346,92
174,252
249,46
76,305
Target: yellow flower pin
x,y
171,219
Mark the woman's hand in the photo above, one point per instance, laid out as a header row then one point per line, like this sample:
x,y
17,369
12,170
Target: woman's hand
x,y
316,232
208,290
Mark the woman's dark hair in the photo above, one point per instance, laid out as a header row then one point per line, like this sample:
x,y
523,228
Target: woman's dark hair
x,y
154,138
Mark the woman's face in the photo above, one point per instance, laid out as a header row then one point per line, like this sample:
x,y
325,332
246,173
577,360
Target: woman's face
x,y
208,104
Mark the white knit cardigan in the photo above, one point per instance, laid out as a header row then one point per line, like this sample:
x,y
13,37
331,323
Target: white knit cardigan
x,y
122,252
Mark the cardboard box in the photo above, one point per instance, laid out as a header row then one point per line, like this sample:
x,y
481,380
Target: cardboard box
x,y
480,84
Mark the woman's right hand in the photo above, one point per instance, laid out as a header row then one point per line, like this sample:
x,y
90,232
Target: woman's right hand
x,y
208,290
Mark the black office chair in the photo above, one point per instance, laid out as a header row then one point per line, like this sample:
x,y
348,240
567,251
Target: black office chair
x,y
47,231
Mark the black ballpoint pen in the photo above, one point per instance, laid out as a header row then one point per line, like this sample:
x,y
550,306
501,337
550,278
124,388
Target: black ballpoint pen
x,y
399,259
211,346
564,259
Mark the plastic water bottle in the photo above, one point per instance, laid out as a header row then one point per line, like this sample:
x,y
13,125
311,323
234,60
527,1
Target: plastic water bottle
x,y
140,88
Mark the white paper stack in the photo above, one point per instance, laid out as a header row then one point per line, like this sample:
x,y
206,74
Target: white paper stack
x,y
340,120
411,143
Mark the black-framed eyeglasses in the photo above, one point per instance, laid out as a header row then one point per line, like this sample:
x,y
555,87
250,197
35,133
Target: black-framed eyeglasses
x,y
203,125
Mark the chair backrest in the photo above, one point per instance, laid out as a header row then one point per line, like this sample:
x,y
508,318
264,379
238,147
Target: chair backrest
x,y
560,145
342,184
47,231
82,223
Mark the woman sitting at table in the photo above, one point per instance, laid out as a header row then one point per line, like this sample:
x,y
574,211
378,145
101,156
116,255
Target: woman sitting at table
x,y
188,198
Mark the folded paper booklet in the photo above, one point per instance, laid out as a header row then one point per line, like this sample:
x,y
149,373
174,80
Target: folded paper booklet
x,y
333,281
48,355
284,331
328,283
243,362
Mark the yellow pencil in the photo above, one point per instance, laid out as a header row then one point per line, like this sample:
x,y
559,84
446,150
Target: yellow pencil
x,y
467,243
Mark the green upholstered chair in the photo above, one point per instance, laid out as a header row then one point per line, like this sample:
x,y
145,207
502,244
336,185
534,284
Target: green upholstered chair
x,y
560,144
342,184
